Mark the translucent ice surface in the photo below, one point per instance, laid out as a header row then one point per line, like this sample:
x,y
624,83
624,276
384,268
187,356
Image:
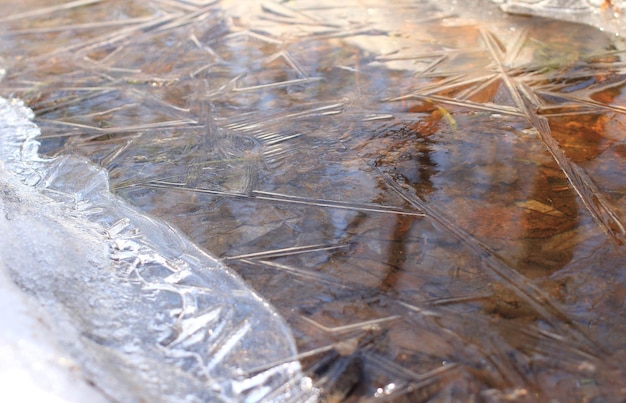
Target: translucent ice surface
x,y
431,193
147,314
607,15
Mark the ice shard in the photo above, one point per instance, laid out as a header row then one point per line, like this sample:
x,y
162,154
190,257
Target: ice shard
x,y
146,314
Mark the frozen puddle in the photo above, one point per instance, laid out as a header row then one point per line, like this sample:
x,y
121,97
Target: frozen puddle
x,y
145,313
430,193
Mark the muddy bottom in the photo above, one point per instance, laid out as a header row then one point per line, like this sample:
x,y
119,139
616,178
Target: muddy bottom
x,y
433,198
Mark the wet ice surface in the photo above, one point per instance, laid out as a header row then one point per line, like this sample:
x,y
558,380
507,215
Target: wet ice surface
x,y
603,14
433,198
148,315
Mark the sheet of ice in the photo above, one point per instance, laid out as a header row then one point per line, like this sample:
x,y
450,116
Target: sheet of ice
x,y
605,14
144,313
33,366
431,196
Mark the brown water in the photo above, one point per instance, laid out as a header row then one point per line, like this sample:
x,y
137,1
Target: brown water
x,y
434,201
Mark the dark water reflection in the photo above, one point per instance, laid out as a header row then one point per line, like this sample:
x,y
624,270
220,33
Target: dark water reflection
x,y
436,204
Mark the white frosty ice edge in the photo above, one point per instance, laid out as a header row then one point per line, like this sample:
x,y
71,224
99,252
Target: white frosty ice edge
x,y
607,16
118,298
33,366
